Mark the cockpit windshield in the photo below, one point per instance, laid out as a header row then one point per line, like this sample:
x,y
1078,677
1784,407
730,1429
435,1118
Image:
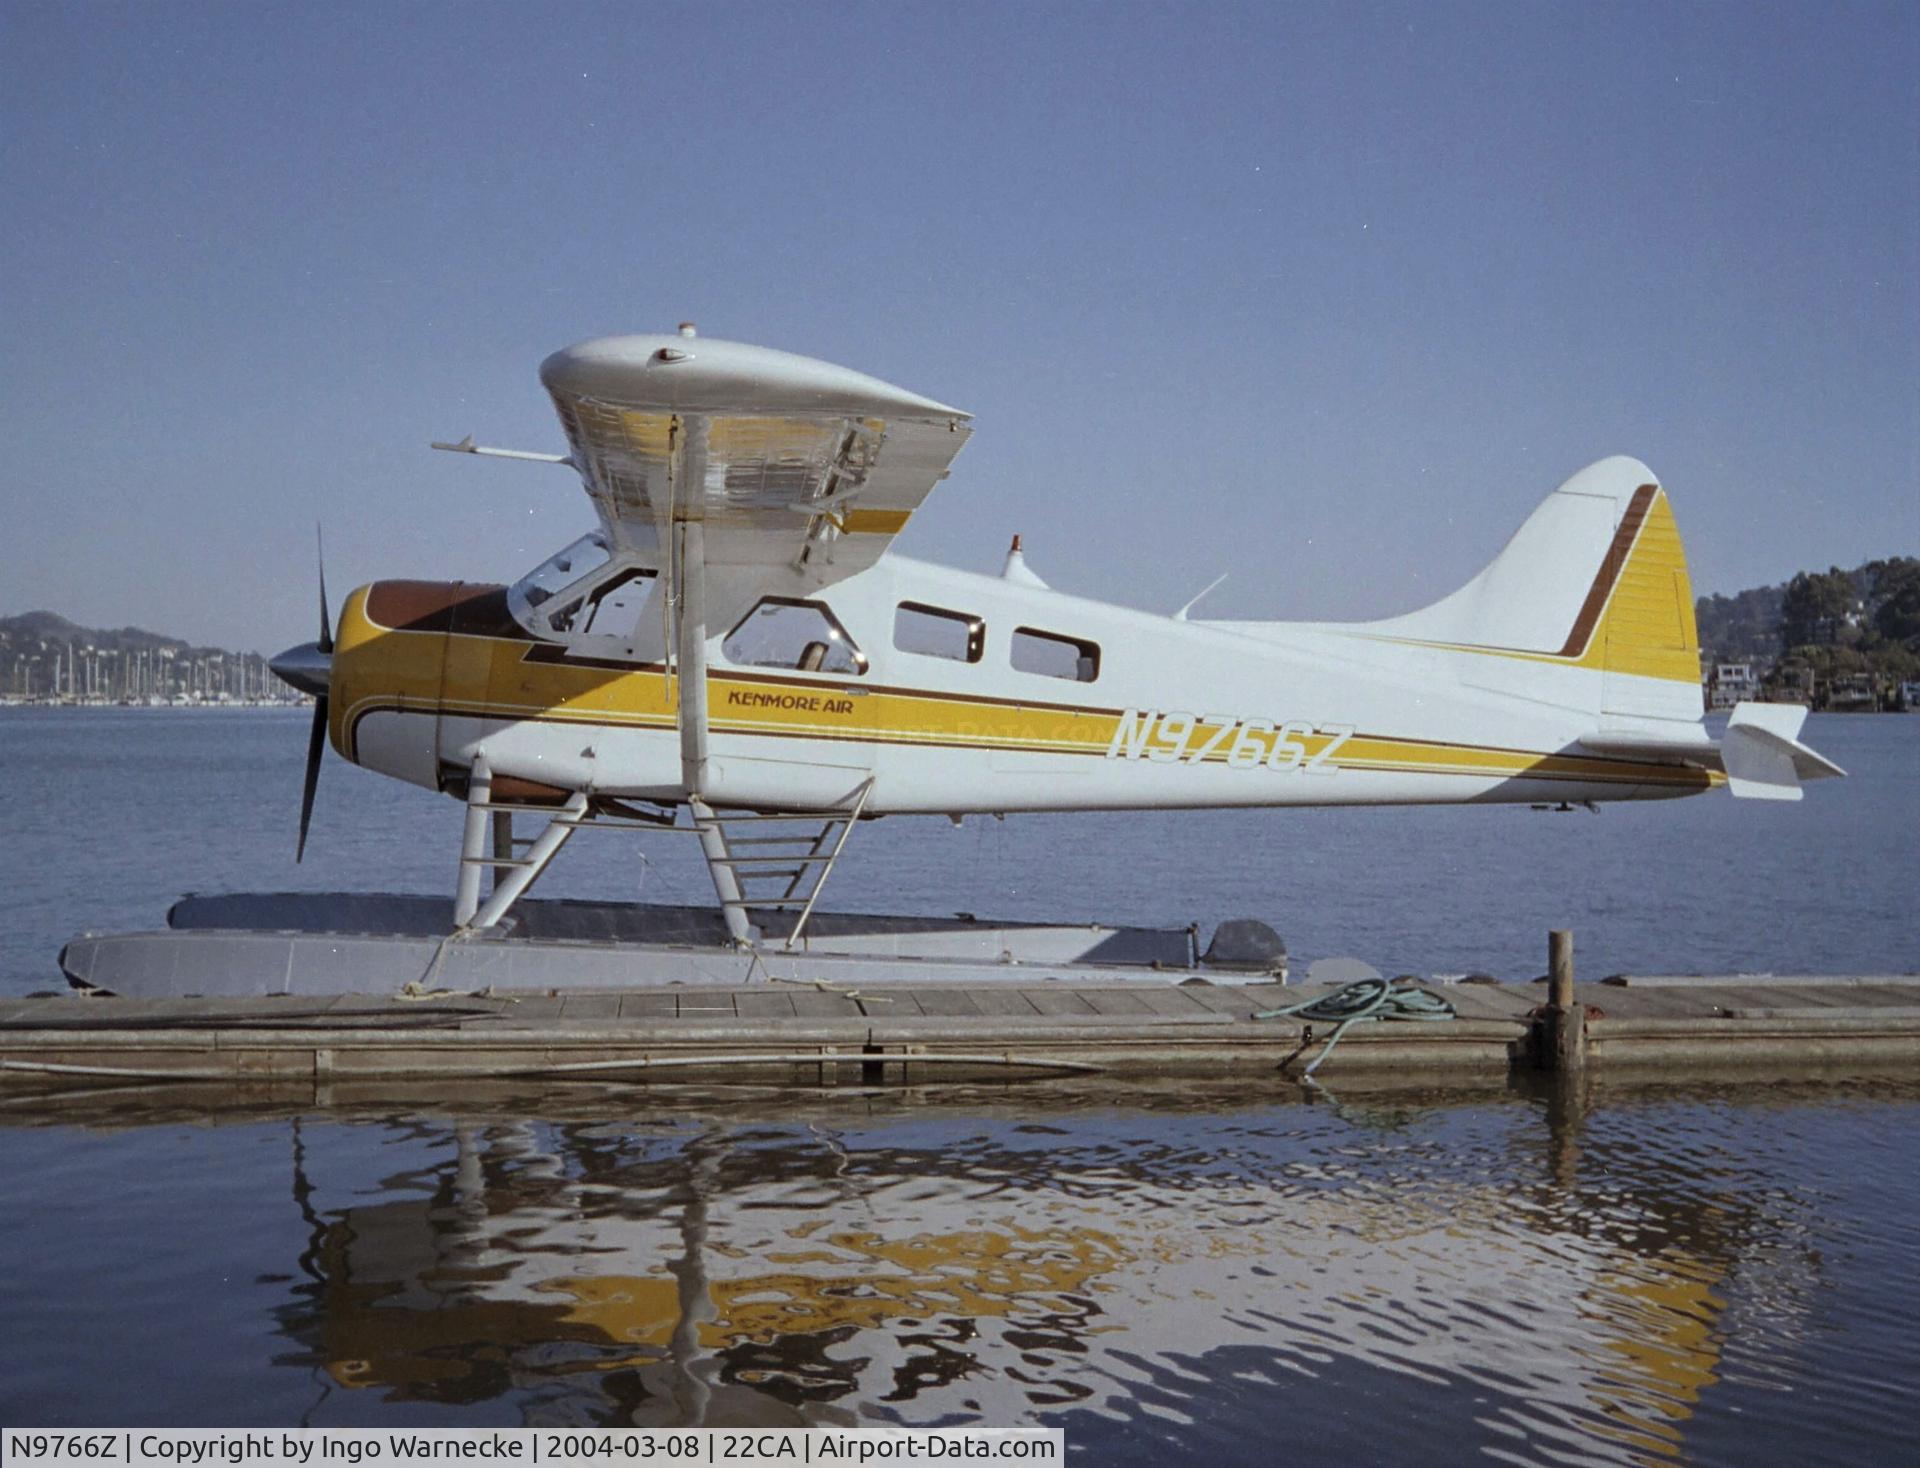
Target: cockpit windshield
x,y
591,601
557,572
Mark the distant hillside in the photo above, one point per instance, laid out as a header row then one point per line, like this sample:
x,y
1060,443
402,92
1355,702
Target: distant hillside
x,y
51,627
1753,625
44,655
1821,626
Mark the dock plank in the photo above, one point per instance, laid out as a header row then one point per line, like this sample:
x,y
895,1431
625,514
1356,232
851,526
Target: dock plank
x,y
1117,1002
1663,1003
1001,1001
28,1011
810,1003
1172,1002
1804,996
1236,1001
1885,1014
1058,1002
532,1009
577,1007
949,1002
765,1004
1483,1001
708,1004
650,1004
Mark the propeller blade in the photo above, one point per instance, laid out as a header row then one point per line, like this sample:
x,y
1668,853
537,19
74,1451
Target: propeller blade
x,y
326,620
316,747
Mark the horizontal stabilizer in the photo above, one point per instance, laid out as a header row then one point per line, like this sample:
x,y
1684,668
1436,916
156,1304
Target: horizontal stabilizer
x,y
1763,757
1633,744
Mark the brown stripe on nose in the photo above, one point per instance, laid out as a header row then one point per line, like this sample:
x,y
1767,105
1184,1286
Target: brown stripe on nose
x,y
471,608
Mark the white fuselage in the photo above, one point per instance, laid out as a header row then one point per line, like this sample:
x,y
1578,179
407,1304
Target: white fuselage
x,y
1133,709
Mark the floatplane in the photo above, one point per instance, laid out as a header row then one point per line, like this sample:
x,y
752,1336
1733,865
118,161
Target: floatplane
x,y
736,651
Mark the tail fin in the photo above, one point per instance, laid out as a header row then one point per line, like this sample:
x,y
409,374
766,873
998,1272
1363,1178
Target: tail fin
x,y
1596,579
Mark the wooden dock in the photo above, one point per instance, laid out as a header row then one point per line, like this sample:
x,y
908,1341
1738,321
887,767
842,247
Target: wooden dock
x,y
793,1034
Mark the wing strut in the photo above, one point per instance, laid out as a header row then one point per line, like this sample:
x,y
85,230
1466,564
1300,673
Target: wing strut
x,y
690,712
690,652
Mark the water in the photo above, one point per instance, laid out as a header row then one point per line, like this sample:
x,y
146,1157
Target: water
x,y
112,814
1231,1275
1175,1276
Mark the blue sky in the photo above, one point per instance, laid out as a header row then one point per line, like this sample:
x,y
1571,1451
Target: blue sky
x,y
1325,296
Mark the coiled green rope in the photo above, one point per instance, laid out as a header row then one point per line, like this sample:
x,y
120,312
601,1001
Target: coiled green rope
x,y
1363,999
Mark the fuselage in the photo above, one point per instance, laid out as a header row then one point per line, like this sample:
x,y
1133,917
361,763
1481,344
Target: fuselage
x,y
955,692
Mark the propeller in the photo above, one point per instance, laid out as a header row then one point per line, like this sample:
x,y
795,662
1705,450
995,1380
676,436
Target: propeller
x,y
317,736
309,668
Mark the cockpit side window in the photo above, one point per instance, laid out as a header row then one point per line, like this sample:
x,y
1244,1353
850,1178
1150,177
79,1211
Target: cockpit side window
x,y
610,609
785,632
593,603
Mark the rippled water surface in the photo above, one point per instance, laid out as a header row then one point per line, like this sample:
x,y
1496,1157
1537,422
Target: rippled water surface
x,y
1174,1274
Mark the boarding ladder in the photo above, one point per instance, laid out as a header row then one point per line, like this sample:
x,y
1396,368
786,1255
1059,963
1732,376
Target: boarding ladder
x,y
773,860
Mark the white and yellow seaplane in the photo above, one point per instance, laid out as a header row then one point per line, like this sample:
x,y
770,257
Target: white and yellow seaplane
x,y
736,641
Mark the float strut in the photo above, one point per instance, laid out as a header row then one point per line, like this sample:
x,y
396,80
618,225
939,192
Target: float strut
x,y
726,883
523,871
473,855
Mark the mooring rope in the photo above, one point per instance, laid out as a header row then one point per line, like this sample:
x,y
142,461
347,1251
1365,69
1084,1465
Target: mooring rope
x,y
422,987
1361,1000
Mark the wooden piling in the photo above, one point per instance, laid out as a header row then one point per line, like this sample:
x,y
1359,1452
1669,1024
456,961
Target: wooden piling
x,y
1566,1037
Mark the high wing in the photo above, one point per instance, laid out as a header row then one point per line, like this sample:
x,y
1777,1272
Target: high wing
x,y
781,458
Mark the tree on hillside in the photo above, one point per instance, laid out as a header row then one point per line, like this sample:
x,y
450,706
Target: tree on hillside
x,y
1896,592
1815,608
1744,627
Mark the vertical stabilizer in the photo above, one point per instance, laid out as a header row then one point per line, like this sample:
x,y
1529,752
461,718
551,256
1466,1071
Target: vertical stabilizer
x,y
1595,580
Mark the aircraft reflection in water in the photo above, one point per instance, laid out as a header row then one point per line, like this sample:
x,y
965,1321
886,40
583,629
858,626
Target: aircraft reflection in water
x,y
760,1275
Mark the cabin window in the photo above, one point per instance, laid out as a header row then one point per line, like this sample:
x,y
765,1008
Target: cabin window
x,y
782,632
1053,656
935,632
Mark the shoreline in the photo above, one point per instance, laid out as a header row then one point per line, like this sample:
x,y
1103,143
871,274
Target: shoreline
x,y
231,705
